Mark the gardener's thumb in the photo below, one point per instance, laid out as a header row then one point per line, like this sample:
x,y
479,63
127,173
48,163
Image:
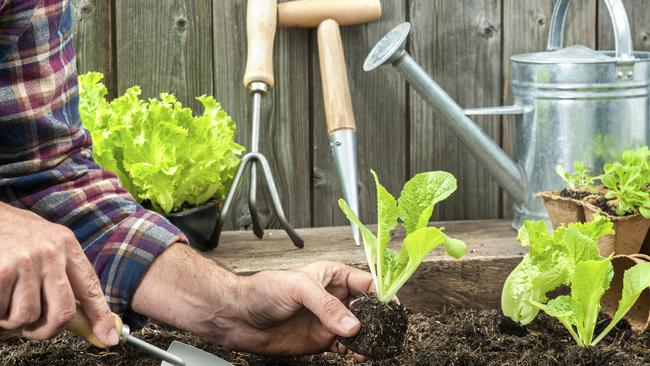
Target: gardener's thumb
x,y
331,312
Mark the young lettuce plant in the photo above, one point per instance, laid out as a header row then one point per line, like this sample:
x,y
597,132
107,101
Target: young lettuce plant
x,y
551,262
579,180
628,182
391,269
579,311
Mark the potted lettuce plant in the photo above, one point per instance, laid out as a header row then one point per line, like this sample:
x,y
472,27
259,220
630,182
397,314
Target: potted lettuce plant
x,y
621,193
384,321
171,161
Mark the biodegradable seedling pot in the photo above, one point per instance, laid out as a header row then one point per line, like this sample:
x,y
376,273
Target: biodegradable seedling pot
x,y
197,223
562,210
630,232
639,316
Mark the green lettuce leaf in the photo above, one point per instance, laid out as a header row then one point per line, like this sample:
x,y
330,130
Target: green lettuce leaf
x,y
391,269
635,280
162,154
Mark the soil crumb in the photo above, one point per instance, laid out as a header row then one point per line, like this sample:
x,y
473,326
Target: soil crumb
x,y
383,328
447,336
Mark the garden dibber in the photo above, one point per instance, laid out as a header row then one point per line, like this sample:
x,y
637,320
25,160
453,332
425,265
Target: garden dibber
x,y
326,16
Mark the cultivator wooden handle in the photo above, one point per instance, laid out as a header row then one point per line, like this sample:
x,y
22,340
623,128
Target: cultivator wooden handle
x,y
261,18
336,89
311,13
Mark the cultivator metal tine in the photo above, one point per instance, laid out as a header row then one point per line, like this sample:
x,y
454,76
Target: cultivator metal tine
x,y
252,202
275,199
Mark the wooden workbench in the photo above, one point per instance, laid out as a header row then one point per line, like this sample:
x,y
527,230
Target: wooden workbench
x,y
475,280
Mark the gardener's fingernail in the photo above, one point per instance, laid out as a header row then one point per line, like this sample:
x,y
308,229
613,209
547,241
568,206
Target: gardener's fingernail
x,y
348,323
113,338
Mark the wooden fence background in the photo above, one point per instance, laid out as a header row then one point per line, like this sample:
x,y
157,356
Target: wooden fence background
x,y
192,47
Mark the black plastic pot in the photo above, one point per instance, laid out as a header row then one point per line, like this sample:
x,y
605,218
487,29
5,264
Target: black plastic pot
x,y
198,224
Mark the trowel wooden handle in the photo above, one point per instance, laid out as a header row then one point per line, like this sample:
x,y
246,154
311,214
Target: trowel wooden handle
x,y
261,19
310,13
80,325
336,89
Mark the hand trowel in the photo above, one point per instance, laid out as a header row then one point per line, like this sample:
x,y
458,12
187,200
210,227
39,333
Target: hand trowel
x,y
178,354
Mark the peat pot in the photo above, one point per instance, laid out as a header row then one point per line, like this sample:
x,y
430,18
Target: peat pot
x,y
199,224
569,103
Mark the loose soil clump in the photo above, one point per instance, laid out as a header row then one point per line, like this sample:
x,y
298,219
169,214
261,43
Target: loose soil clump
x,y
448,336
383,328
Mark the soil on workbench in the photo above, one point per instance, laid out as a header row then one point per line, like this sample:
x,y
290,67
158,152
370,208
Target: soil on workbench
x,y
384,328
443,337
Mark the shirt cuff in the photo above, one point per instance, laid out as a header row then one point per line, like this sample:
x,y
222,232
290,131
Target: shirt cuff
x,y
123,254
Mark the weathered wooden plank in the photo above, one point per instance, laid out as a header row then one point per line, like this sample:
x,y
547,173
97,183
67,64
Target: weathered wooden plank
x,y
94,39
458,43
285,116
638,13
476,279
378,100
526,30
165,46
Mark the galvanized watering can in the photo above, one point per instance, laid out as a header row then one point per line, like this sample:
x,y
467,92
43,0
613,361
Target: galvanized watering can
x,y
570,103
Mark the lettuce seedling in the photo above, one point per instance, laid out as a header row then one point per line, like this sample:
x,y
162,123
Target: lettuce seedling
x,y
628,181
579,311
391,269
551,262
579,180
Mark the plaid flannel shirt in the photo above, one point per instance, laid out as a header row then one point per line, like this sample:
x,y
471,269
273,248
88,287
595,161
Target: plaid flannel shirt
x,y
46,163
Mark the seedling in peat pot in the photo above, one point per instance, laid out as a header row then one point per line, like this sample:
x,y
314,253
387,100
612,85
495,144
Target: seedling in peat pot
x,y
579,183
383,320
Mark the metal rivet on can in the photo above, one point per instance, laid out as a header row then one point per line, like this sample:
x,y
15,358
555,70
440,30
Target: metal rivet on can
x,y
630,74
619,75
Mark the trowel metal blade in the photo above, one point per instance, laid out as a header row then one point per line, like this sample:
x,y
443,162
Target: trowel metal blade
x,y
194,356
344,149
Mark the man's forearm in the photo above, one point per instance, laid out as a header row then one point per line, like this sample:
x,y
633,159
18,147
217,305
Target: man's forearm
x,y
187,291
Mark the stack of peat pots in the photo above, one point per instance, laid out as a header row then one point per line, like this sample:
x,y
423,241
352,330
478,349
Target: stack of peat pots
x,y
628,244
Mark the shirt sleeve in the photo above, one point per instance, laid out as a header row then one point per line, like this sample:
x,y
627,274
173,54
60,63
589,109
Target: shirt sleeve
x,y
15,18
120,237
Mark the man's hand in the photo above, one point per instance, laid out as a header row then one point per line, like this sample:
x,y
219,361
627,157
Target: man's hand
x,y
42,271
295,312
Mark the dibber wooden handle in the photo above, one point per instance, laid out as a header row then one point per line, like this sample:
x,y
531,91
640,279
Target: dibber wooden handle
x,y
336,90
261,19
80,325
310,13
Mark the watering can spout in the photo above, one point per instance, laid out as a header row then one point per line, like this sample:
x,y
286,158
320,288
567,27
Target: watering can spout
x,y
391,50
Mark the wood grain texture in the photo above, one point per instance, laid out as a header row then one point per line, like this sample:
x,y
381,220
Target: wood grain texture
x,y
94,39
285,130
458,43
165,46
525,29
475,279
334,77
261,21
379,104
638,13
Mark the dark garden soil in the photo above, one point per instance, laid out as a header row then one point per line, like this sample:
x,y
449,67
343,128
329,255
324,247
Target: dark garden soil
x,y
570,193
444,337
605,205
384,330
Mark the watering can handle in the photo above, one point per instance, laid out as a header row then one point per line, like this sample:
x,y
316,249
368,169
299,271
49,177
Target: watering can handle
x,y
622,32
